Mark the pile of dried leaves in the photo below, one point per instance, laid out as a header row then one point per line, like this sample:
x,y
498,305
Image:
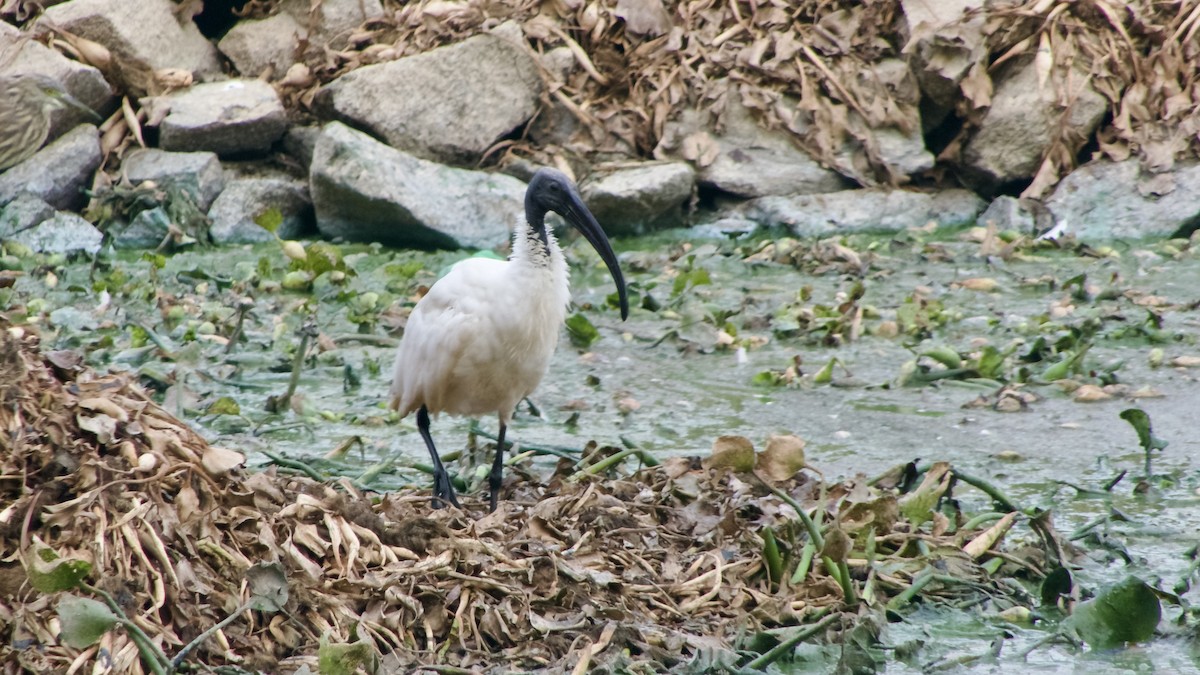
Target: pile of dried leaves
x,y
680,564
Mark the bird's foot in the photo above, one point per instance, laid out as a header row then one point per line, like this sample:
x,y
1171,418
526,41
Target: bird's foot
x,y
443,491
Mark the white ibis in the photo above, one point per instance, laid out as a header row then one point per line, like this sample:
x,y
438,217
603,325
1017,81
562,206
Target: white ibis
x,y
481,339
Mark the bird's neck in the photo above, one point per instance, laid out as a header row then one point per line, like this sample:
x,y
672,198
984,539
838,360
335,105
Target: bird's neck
x,y
534,244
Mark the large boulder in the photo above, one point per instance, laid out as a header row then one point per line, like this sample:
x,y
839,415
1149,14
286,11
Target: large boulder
x,y
59,172
639,198
448,104
148,31
1105,200
22,55
1023,121
228,117
875,209
363,190
743,158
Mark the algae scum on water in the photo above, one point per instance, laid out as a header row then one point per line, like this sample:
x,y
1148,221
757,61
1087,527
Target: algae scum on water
x,y
1001,465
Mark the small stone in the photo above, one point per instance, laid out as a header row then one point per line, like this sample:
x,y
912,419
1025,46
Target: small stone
x,y
881,209
245,200
63,233
199,173
256,46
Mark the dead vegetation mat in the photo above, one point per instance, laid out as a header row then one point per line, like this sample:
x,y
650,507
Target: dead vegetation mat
x,y
659,570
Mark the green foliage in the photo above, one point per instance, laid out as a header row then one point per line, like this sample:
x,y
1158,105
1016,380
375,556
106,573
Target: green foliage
x,y
1125,613
345,659
50,573
269,220
581,331
84,620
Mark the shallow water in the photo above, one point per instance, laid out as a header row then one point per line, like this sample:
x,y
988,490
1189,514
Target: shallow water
x,y
686,390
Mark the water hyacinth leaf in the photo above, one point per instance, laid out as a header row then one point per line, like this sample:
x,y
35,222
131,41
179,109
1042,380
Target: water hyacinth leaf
x,y
583,334
324,257
268,587
50,573
918,505
1140,421
1121,614
783,457
345,659
1058,583
84,620
732,452
224,406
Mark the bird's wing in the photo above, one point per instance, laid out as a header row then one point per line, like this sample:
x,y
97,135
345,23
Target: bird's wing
x,y
442,329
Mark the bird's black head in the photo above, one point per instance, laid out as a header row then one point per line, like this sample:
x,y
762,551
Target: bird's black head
x,y
551,190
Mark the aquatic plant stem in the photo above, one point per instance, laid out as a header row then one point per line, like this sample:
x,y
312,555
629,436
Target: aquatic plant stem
x,y
840,571
785,647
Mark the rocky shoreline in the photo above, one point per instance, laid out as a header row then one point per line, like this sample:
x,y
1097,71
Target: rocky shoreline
x,y
305,113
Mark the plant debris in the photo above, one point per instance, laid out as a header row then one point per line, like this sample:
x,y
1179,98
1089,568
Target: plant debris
x,y
661,569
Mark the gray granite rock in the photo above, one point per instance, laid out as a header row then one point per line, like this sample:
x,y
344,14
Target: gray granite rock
x,y
449,104
59,172
62,233
1106,200
235,213
258,45
147,230
875,209
749,161
332,21
637,199
298,143
363,190
1022,215
146,30
82,81
227,117
198,173
22,213
1019,128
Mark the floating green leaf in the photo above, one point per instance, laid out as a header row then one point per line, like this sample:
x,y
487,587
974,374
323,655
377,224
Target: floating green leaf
x,y
224,406
84,620
1121,614
583,333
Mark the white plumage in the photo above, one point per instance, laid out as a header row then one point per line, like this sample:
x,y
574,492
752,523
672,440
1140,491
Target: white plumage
x,y
482,338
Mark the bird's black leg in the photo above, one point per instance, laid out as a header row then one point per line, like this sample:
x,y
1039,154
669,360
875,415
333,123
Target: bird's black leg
x,y
497,474
443,489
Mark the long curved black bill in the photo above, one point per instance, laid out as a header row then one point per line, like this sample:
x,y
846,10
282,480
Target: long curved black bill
x,y
578,215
